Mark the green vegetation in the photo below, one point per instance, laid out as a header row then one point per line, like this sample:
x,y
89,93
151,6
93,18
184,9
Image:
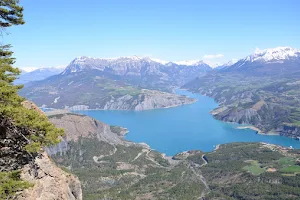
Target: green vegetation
x,y
294,117
127,172
197,158
265,102
291,169
254,168
36,129
43,132
116,88
10,183
252,171
286,161
235,171
88,88
118,130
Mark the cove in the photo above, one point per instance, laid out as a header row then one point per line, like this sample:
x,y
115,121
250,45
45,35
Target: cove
x,y
187,127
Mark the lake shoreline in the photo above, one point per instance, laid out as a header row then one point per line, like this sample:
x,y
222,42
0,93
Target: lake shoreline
x,y
98,109
182,128
257,130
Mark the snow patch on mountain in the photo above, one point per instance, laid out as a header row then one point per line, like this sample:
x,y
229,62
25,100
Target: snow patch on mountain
x,y
226,64
190,62
274,54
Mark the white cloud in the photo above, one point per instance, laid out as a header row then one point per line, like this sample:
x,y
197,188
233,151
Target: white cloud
x,y
213,56
30,69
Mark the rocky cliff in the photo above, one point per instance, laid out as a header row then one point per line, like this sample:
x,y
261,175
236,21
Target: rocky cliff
x,y
80,126
47,180
147,100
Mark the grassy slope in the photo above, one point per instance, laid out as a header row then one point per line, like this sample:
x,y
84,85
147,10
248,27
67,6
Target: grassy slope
x,y
83,89
276,100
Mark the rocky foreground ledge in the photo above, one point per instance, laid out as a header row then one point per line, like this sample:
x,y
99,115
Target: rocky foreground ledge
x,y
49,182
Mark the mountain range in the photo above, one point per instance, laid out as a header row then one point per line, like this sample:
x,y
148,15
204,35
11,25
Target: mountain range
x,y
143,72
277,61
37,74
261,62
261,89
89,83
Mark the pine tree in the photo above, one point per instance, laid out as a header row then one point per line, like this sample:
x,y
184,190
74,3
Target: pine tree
x,y
42,132
11,13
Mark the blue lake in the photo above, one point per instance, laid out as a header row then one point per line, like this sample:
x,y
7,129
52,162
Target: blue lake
x,y
187,127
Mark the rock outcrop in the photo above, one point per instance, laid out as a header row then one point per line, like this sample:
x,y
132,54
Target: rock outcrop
x,y
147,100
50,182
80,126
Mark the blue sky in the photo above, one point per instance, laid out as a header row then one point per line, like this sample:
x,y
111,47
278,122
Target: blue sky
x,y
57,31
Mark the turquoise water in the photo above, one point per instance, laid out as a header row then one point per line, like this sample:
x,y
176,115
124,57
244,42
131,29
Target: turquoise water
x,y
187,127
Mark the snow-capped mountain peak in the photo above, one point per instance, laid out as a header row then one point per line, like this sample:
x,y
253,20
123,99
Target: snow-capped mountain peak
x,y
274,54
163,62
226,64
82,59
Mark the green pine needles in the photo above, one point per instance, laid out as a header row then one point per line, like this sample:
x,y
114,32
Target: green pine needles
x,y
42,132
32,125
10,183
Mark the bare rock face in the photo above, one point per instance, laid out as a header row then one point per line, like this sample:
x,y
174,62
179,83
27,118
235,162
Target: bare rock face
x,y
31,106
79,126
50,182
84,126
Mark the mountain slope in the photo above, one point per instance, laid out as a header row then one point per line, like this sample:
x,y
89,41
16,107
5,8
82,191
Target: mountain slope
x,y
280,61
90,90
38,74
142,72
262,90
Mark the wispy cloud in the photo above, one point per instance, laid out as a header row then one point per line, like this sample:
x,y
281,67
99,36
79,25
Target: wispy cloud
x,y
30,69
213,56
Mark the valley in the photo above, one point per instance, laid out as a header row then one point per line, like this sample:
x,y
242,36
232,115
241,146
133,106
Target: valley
x,y
110,167
205,107
261,89
266,97
183,128
168,153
